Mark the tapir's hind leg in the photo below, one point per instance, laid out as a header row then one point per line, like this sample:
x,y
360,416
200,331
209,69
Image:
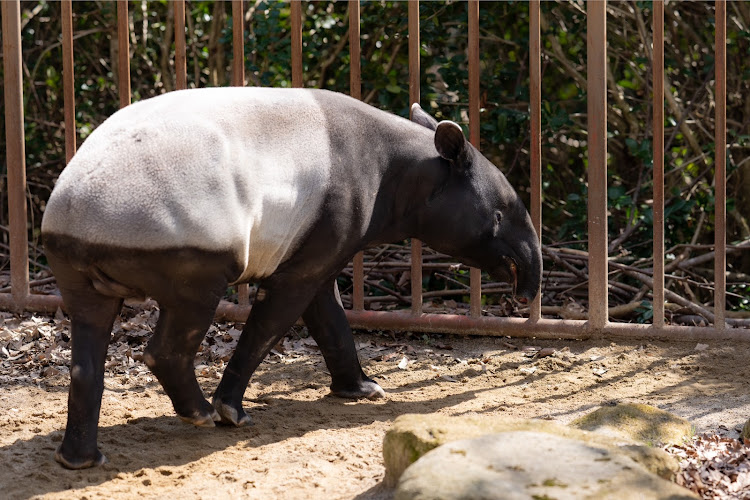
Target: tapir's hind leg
x,y
327,324
92,315
170,354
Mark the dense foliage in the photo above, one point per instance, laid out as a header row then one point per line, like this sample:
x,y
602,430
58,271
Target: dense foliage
x,y
504,52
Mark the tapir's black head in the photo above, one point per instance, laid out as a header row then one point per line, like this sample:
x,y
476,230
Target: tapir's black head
x,y
475,215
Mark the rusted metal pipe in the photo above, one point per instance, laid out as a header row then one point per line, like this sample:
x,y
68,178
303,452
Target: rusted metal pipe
x,y
475,275
297,71
32,302
238,80
597,156
535,97
66,7
720,193
355,90
15,154
123,47
658,126
180,54
415,96
238,47
355,63
461,325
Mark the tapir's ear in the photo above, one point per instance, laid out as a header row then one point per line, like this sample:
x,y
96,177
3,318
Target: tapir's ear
x,y
420,116
449,140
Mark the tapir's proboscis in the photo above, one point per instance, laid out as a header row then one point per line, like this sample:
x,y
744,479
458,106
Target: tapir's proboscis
x,y
178,196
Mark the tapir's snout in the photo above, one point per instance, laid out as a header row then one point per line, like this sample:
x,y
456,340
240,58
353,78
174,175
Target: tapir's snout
x,y
529,275
521,262
523,274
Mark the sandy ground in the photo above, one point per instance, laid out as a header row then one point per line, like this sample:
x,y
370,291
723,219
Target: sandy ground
x,y
305,444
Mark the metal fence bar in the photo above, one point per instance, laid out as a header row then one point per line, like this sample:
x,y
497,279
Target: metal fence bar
x,y
597,156
297,76
180,51
238,47
123,47
657,67
355,90
475,275
415,96
66,12
238,80
720,194
15,153
535,147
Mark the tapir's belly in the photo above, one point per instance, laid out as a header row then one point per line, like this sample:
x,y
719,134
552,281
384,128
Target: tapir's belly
x,y
223,178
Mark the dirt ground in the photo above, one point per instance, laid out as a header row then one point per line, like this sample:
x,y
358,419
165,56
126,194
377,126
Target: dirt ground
x,y
305,444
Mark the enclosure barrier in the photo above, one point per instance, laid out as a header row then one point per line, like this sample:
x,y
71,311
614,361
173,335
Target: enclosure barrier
x,y
20,297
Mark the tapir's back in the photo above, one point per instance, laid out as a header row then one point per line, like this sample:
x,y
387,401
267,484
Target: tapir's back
x,y
236,170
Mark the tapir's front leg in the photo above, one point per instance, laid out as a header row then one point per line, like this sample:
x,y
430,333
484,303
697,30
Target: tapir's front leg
x,y
326,322
278,304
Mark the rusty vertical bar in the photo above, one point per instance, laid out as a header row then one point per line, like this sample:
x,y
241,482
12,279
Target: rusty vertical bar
x,y
475,276
720,194
238,80
238,47
535,98
415,96
297,79
123,46
15,153
355,90
68,83
657,66
355,64
180,54
597,158
414,59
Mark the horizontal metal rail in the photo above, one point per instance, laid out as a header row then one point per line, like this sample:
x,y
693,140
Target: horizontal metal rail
x,y
475,323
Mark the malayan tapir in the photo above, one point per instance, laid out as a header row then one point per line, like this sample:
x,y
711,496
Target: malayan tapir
x,y
178,196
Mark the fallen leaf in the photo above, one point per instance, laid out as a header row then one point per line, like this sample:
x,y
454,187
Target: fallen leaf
x,y
403,363
547,351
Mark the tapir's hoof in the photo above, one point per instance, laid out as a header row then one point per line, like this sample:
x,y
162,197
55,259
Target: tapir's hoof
x,y
202,420
368,390
75,464
230,415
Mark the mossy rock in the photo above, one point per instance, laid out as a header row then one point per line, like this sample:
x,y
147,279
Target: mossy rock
x,y
637,423
746,431
412,435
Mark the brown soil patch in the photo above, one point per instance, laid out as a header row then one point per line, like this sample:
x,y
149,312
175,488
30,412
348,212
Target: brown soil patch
x,y
305,444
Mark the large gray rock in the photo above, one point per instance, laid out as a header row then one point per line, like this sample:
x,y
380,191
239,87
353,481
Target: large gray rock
x,y
531,465
413,435
637,423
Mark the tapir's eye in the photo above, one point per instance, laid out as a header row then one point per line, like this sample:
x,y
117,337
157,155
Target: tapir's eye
x,y
498,216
